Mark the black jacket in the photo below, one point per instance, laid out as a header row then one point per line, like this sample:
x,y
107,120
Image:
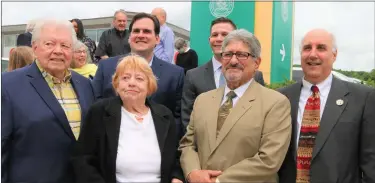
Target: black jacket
x,y
94,159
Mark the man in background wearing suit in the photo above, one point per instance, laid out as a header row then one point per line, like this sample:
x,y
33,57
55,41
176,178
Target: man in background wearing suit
x,y
258,77
208,76
43,106
25,38
239,132
333,121
144,35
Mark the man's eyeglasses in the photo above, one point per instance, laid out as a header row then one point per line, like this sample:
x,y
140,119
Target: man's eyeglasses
x,y
239,55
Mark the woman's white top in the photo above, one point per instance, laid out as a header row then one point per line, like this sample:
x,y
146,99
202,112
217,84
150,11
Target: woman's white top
x,y
138,153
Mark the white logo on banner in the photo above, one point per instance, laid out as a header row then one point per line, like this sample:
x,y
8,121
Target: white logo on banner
x,y
284,10
221,8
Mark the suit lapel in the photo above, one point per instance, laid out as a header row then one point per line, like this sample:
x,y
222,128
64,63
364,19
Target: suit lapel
x,y
112,122
294,96
209,76
331,113
212,118
157,70
242,106
40,85
80,92
161,124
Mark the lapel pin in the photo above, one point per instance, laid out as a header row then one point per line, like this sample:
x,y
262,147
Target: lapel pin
x,y
339,102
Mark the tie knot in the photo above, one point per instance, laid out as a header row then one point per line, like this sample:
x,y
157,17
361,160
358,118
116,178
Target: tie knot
x,y
231,95
314,89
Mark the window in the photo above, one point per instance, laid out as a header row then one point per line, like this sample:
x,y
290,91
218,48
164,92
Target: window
x,y
100,32
4,64
9,40
91,33
7,43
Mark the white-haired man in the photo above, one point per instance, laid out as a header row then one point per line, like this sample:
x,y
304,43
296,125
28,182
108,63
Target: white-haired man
x,y
42,108
24,39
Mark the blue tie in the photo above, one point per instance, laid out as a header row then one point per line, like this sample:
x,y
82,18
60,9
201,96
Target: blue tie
x,y
222,81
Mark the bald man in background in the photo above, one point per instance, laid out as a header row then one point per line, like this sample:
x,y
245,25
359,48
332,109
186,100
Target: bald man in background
x,y
165,49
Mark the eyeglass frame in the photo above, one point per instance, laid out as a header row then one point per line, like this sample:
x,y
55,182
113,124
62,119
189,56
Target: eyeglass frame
x,y
236,53
80,51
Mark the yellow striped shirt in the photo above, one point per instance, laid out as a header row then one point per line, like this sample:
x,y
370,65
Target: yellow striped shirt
x,y
66,96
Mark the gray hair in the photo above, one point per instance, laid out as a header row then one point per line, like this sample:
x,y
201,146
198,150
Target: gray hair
x,y
79,45
30,26
334,44
52,22
118,11
246,37
180,43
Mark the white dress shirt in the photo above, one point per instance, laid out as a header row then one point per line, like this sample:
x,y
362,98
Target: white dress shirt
x,y
217,71
324,88
239,92
138,153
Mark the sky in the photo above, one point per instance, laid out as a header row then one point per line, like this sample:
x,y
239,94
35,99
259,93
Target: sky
x,y
352,23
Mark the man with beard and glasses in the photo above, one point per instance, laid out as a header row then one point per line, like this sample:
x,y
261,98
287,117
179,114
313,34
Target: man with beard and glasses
x,y
239,132
114,42
333,121
144,35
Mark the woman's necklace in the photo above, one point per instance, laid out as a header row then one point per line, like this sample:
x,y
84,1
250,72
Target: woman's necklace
x,y
139,116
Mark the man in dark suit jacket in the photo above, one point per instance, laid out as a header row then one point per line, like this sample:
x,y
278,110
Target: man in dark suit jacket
x,y
338,145
42,108
24,39
170,77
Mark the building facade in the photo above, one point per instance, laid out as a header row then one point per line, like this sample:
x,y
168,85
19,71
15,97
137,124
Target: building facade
x,y
94,27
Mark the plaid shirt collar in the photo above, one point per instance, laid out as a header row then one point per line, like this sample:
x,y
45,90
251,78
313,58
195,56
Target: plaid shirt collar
x,y
51,79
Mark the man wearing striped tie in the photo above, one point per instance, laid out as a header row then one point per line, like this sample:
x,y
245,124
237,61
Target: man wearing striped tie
x,y
241,131
333,121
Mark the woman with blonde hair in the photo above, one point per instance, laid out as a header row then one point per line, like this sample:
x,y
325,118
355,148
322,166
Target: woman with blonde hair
x,y
129,138
82,62
20,57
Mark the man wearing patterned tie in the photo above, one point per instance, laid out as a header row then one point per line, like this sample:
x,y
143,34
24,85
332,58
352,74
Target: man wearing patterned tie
x,y
333,121
43,107
239,132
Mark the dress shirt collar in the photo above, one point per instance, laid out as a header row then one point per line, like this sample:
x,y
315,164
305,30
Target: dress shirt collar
x,y
216,64
240,90
323,86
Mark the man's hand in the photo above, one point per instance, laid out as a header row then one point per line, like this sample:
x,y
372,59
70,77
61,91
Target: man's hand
x,y
213,179
104,57
203,176
174,180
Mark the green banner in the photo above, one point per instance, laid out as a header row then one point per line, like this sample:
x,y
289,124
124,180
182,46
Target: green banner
x,y
282,28
202,13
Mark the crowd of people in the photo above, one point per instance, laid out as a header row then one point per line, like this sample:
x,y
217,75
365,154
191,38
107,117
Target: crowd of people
x,y
126,112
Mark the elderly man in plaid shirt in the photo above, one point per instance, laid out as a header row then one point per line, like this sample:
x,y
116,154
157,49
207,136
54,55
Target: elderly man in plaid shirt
x,y
43,107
